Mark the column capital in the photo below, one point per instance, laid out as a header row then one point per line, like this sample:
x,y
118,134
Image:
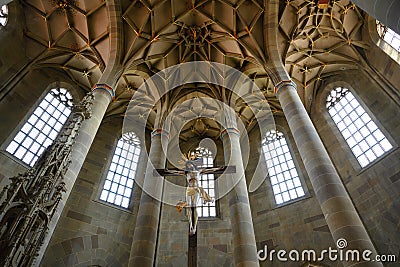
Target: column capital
x,y
283,84
228,131
160,132
105,88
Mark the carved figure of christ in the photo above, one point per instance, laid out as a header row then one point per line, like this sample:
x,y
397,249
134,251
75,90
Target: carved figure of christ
x,y
193,191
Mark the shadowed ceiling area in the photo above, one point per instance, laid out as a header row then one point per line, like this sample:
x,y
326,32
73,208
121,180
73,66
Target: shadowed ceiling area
x,y
313,42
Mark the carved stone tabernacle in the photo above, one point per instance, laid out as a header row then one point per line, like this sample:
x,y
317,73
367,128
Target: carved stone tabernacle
x,y
30,201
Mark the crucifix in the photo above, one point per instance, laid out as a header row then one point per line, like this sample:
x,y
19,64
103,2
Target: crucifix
x,y
194,192
192,171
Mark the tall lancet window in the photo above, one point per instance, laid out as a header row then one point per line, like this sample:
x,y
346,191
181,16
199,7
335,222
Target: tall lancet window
x,y
119,182
42,127
282,171
366,140
388,35
207,181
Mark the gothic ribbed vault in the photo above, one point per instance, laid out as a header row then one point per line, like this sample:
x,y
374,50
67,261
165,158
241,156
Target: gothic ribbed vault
x,y
313,42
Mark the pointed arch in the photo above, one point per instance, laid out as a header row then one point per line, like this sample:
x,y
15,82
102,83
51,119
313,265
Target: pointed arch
x,y
362,135
283,174
42,126
118,186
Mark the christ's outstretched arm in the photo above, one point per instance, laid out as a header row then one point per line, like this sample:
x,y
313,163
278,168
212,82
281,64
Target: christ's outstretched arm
x,y
166,172
214,170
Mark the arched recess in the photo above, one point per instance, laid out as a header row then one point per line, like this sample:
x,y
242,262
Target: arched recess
x,y
284,174
358,98
41,126
118,186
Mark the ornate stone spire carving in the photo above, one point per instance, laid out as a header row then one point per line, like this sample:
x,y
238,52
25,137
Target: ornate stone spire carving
x,y
30,201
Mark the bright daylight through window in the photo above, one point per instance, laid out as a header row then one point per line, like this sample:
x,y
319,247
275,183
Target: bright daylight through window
x,y
207,182
388,35
118,185
366,140
282,171
42,127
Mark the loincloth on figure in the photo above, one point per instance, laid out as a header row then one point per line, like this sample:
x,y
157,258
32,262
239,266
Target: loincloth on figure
x,y
192,191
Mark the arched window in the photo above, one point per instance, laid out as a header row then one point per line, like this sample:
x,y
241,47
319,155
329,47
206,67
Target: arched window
x,y
282,171
366,140
388,35
207,181
119,182
3,15
42,127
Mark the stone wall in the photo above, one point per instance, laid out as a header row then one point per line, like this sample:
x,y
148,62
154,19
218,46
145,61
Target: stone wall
x,y
18,104
13,56
90,231
9,167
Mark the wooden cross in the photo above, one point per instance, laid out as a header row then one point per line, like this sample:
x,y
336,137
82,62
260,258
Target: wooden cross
x,y
192,171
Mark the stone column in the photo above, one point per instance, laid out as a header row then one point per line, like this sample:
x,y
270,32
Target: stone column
x,y
337,207
103,94
386,11
137,189
146,231
244,242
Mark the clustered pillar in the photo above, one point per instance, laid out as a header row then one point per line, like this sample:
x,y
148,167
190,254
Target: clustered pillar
x,y
337,207
145,237
244,242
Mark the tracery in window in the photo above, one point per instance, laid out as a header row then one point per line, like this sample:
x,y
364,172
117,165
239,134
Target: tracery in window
x,y
42,127
207,182
285,181
3,15
366,140
119,182
388,35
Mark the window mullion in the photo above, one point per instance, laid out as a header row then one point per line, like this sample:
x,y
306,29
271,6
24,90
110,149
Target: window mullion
x,y
285,181
34,129
356,126
117,188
